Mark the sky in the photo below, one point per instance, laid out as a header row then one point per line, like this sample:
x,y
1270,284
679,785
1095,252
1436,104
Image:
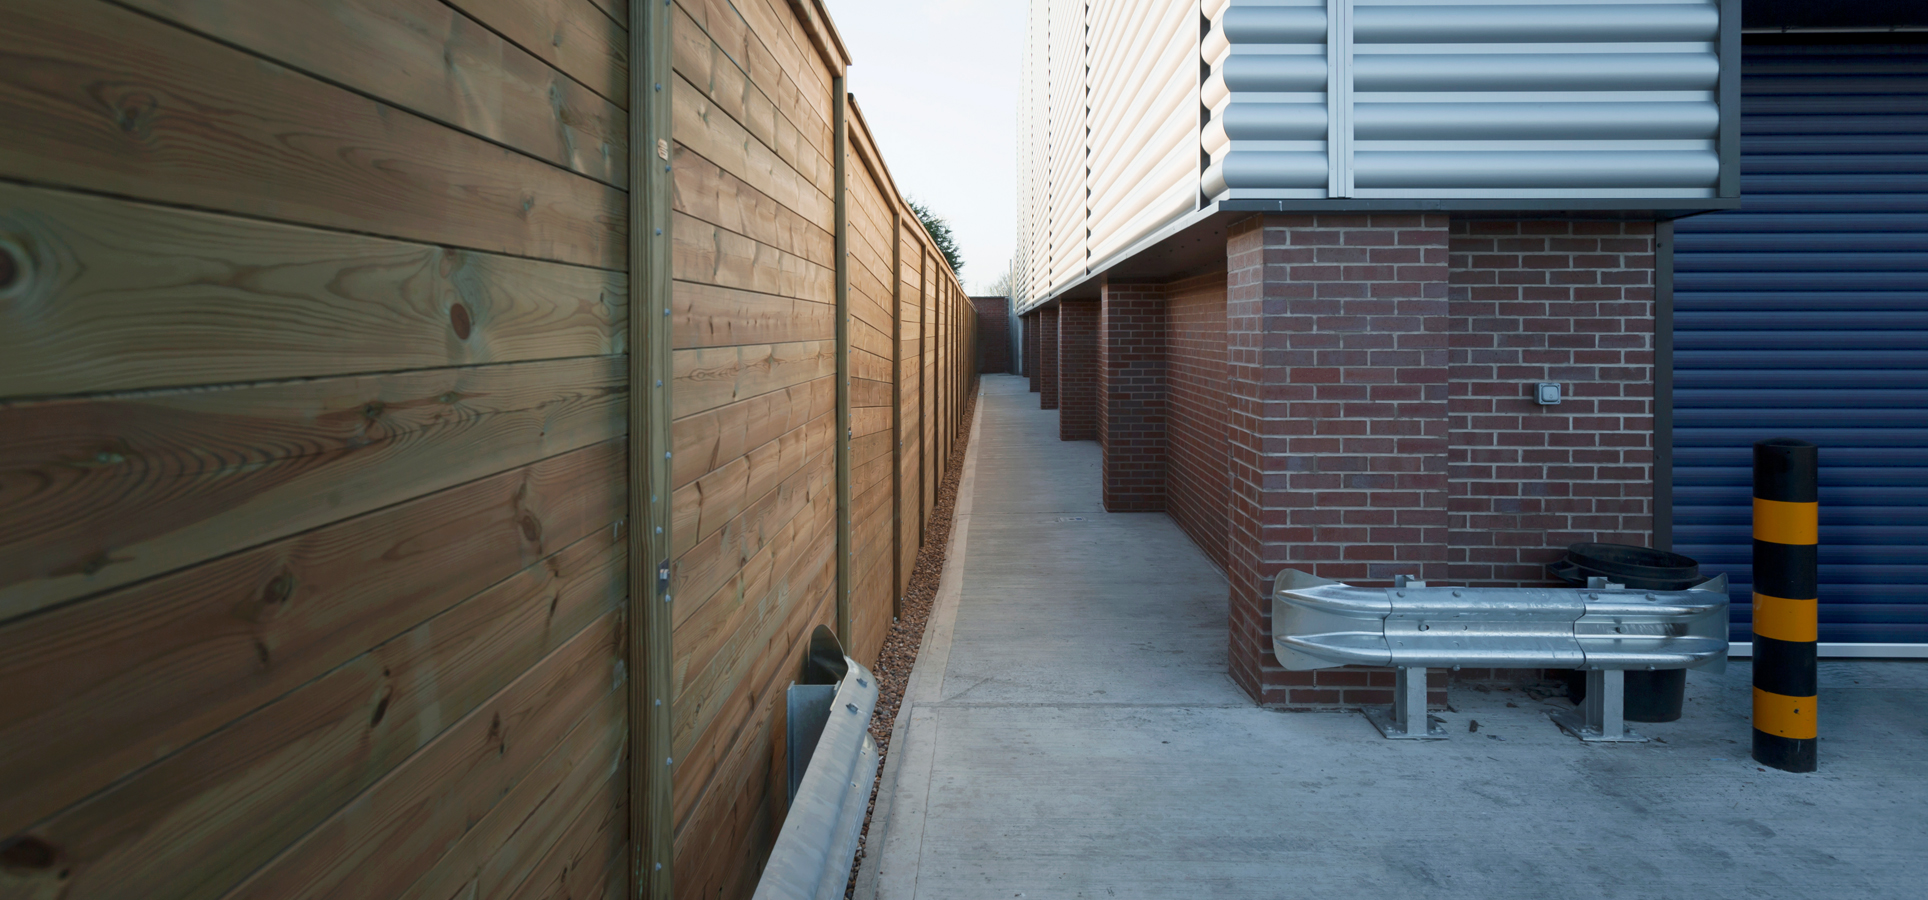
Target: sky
x,y
938,82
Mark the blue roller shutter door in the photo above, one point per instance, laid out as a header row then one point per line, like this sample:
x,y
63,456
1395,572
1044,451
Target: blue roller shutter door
x,y
1805,314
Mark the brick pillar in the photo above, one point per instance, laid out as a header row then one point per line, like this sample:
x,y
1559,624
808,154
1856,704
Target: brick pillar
x,y
1078,370
1032,326
1131,396
1048,358
1336,334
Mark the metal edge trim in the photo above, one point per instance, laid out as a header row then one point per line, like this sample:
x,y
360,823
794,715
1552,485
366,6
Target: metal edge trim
x,y
1730,99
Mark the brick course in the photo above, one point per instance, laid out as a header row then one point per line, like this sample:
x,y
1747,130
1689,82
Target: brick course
x,y
1077,370
1197,479
1132,332
1048,358
993,334
1336,330
1030,328
1548,300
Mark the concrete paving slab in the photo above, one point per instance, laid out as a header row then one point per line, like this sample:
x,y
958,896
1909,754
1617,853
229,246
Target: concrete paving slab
x,y
1071,732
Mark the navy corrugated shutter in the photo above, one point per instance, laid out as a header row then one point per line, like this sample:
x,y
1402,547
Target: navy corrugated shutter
x,y
1805,314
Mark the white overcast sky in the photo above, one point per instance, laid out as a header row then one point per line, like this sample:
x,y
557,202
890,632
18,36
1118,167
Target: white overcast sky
x,y
938,83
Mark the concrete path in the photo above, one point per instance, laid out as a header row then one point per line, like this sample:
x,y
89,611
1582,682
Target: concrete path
x,y
1070,732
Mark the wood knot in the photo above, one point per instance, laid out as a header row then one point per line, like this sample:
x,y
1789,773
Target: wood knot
x,y
373,410
28,855
279,590
459,320
531,527
13,267
495,728
134,114
381,707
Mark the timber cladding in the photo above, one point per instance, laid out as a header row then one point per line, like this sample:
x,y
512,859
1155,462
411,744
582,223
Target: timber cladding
x,y
759,442
313,441
317,438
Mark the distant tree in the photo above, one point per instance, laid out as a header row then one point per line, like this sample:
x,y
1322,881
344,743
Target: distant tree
x,y
940,232
1005,285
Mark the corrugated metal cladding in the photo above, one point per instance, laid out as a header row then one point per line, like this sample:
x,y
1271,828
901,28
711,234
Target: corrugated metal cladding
x,y
1805,314
1108,126
1316,99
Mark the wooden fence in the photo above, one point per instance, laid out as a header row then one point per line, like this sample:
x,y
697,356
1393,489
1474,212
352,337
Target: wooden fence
x,y
324,419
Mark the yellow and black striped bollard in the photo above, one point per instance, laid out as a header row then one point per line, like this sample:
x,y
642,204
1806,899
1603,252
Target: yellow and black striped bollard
x,y
1786,598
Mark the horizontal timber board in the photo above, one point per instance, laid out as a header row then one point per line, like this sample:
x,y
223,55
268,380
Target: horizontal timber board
x,y
582,776
402,824
161,664
701,507
704,253
702,128
115,489
711,664
725,702
427,58
117,295
572,35
864,392
108,100
203,818
709,440
712,564
586,859
761,40
707,315
726,810
703,190
766,104
709,377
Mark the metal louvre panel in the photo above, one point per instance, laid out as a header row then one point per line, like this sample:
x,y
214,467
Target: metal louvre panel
x,y
1066,169
1546,99
1805,314
1140,212
1267,84
1144,122
1551,23
1144,96
1155,212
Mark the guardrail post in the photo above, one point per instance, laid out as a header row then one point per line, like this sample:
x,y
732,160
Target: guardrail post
x,y
1786,603
1407,719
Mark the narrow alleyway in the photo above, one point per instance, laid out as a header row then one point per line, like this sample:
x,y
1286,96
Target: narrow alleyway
x,y
1071,732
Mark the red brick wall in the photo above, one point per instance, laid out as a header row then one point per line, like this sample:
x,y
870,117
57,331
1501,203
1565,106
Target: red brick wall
x,y
1197,480
1565,301
1078,370
1030,329
1048,358
993,334
1336,329
1132,333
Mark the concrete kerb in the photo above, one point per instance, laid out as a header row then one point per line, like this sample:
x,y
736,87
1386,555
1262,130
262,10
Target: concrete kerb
x,y
926,685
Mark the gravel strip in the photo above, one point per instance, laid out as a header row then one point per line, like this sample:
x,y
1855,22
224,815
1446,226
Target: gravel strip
x,y
894,662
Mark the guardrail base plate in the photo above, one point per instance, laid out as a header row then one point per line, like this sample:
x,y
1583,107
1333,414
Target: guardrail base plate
x,y
1383,719
1574,723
